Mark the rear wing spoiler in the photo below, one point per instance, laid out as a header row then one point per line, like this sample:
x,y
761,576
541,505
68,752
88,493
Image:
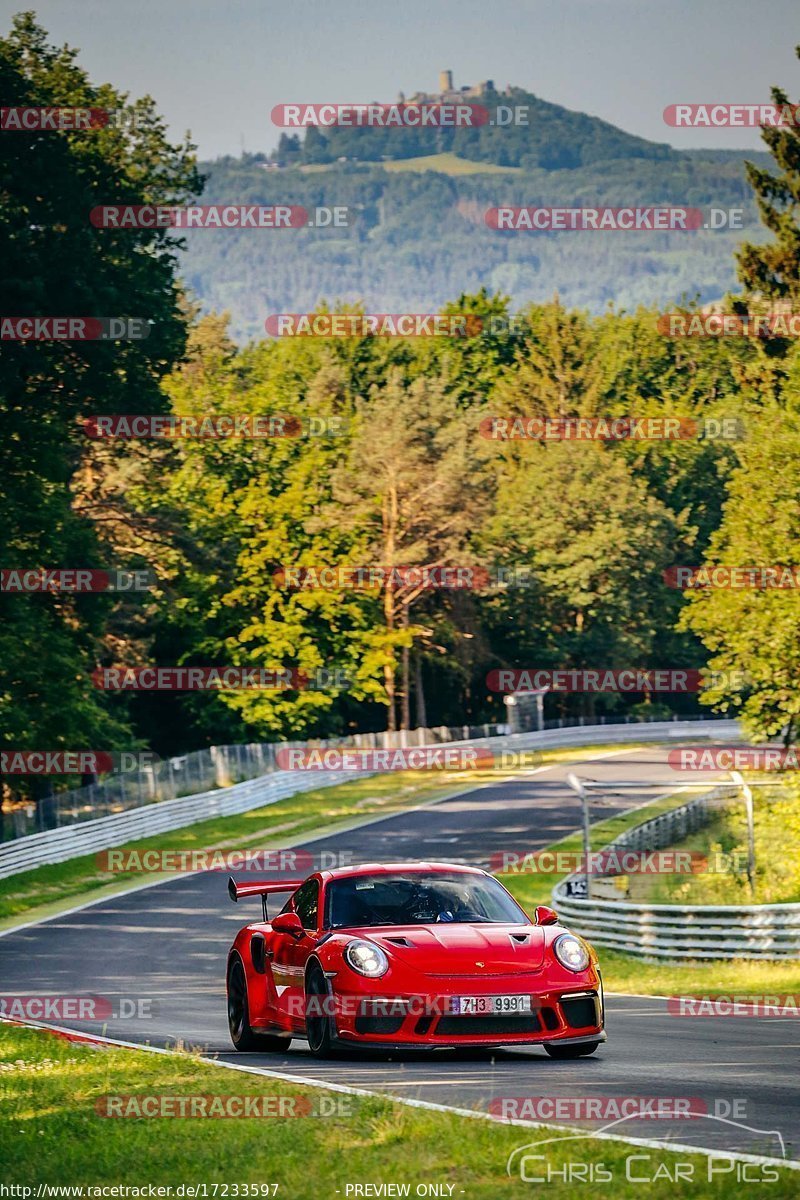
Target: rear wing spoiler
x,y
261,888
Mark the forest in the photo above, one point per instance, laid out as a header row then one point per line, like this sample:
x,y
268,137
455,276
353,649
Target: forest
x,y
381,459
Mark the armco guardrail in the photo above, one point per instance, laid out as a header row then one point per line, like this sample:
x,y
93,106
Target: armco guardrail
x,y
190,774
670,827
197,771
675,931
693,931
71,841
87,837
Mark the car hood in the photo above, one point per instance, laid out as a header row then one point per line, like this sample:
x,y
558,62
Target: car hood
x,y
445,949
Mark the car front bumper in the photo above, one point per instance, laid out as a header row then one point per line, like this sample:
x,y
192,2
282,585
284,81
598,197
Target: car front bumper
x,y
563,1015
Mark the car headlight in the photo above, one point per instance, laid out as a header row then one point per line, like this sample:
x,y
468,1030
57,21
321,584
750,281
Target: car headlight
x,y
366,958
571,952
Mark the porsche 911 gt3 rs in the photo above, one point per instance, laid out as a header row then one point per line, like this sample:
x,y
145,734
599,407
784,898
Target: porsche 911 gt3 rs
x,y
414,955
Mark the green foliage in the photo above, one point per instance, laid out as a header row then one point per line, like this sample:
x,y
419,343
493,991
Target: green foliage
x,y
596,542
551,137
752,634
57,263
407,479
774,269
412,482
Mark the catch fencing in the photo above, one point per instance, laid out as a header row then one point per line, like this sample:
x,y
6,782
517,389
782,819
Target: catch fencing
x,y
86,836
194,773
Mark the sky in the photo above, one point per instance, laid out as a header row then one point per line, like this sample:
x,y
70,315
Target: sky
x,y
217,69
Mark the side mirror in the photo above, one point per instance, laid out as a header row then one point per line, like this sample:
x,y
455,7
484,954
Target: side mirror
x,y
545,915
290,923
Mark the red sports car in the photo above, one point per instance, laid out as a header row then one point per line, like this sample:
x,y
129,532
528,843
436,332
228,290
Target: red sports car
x,y
411,955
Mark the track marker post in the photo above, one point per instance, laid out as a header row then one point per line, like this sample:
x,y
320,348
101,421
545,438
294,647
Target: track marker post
x,y
738,778
577,786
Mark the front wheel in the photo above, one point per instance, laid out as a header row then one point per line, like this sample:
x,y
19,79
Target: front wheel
x,y
320,1029
242,1035
580,1051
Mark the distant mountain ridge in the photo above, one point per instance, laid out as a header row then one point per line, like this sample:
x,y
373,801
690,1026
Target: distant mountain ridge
x,y
554,138
417,238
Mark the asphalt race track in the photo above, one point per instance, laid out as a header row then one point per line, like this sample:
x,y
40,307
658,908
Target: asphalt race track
x,y
167,944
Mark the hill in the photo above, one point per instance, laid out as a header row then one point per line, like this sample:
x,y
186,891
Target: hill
x,y
547,136
417,236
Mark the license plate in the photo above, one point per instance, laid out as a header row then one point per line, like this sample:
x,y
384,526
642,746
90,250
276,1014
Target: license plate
x,y
465,1006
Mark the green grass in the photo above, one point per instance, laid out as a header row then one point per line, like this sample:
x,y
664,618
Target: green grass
x,y
724,842
51,1132
626,973
448,164
44,890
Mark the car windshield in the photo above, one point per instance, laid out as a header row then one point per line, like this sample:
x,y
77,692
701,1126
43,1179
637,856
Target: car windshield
x,y
414,898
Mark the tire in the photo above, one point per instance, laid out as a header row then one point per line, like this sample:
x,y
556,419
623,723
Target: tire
x,y
579,1051
320,1028
242,1034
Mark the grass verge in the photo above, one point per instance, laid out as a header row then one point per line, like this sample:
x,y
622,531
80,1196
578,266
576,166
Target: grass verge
x,y
532,888
739,977
51,1133
723,842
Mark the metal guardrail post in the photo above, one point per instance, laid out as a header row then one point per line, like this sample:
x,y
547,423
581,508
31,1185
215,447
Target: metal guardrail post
x,y
737,777
576,785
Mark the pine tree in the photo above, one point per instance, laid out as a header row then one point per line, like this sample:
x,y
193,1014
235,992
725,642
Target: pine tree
x,y
773,269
